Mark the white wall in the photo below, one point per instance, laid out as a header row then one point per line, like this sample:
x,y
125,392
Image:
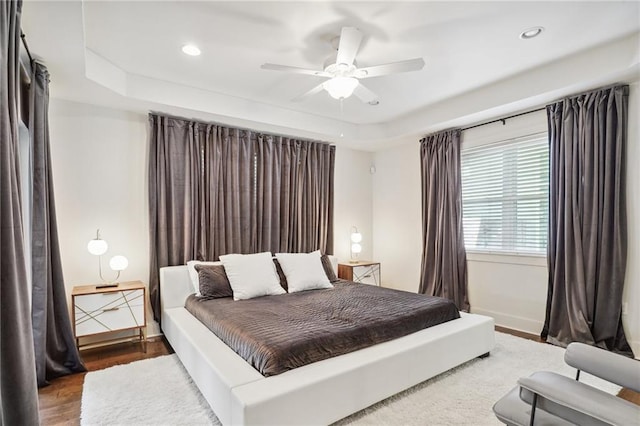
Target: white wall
x,y
99,158
99,161
512,289
397,217
352,202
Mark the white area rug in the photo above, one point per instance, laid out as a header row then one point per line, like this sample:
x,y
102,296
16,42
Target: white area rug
x,y
159,391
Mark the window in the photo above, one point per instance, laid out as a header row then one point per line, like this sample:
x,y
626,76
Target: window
x,y
505,196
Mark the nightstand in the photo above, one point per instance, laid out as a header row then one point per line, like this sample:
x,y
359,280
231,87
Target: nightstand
x,y
363,271
98,311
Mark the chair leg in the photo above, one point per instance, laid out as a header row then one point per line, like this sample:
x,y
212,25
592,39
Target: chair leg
x,y
533,409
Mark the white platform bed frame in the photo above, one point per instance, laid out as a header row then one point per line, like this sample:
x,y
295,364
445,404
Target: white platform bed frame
x,y
318,393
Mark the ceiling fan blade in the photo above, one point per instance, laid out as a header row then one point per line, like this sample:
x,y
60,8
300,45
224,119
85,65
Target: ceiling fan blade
x,y
311,92
296,70
350,39
365,95
392,68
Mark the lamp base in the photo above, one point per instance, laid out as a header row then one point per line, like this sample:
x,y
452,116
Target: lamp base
x,y
354,261
105,285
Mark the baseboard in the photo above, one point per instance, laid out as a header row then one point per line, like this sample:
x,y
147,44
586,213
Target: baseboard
x,y
518,333
512,322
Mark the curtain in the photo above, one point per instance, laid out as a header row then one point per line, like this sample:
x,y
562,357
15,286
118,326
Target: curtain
x,y
229,214
18,387
174,181
215,190
295,195
55,348
444,259
587,241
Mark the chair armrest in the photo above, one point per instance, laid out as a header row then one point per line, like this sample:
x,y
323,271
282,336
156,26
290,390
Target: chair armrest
x,y
513,411
609,366
577,402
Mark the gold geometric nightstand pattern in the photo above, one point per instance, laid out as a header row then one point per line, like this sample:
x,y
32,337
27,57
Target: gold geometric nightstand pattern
x,y
109,309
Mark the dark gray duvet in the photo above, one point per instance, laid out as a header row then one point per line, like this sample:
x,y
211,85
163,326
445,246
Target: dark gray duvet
x,y
278,333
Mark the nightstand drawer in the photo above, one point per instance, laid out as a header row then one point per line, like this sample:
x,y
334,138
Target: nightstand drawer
x,y
112,311
365,272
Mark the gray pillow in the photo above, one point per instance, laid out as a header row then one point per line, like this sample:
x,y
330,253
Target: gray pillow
x,y
328,268
213,281
281,275
326,264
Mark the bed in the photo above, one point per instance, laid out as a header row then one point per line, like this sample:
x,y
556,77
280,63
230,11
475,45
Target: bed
x,y
321,392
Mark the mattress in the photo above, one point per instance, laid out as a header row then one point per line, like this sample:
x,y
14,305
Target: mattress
x,y
278,333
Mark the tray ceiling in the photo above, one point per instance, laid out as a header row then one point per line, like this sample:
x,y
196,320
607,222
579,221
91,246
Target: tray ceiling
x,y
127,54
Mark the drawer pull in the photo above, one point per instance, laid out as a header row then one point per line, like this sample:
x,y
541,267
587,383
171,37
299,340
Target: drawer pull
x,y
111,309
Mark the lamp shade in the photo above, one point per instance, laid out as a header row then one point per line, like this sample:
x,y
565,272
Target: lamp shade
x,y
97,247
356,237
118,263
356,248
340,87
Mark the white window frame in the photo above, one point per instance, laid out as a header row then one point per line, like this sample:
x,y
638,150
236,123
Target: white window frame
x,y
509,244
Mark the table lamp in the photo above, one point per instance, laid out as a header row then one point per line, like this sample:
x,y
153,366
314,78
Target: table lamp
x,y
356,248
119,263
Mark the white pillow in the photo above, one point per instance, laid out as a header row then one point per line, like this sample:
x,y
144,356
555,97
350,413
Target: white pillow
x,y
251,275
193,274
304,271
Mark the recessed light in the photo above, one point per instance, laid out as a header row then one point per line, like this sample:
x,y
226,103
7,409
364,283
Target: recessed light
x,y
191,50
531,33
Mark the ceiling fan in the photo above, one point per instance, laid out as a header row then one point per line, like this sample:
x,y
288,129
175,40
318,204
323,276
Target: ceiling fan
x,y
344,75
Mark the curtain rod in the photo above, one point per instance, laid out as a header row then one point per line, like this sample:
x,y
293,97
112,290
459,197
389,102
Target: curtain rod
x,y
504,119
23,37
246,129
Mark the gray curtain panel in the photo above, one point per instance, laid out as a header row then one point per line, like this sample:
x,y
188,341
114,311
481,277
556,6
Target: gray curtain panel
x,y
215,190
174,188
18,387
294,195
587,242
55,348
444,259
228,208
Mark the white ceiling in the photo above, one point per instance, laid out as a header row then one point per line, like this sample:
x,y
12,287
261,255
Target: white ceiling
x,y
126,54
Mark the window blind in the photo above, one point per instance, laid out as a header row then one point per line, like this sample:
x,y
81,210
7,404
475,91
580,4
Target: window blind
x,y
505,196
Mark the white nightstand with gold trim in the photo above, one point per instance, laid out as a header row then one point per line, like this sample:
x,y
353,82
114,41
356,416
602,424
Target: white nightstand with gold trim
x,y
100,310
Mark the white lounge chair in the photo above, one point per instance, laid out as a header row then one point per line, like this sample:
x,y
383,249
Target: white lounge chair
x,y
547,398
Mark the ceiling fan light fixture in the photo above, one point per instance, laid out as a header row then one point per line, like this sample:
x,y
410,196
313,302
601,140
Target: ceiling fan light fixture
x,y
340,87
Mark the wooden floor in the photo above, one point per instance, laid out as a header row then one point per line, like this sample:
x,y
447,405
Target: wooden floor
x,y
60,401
